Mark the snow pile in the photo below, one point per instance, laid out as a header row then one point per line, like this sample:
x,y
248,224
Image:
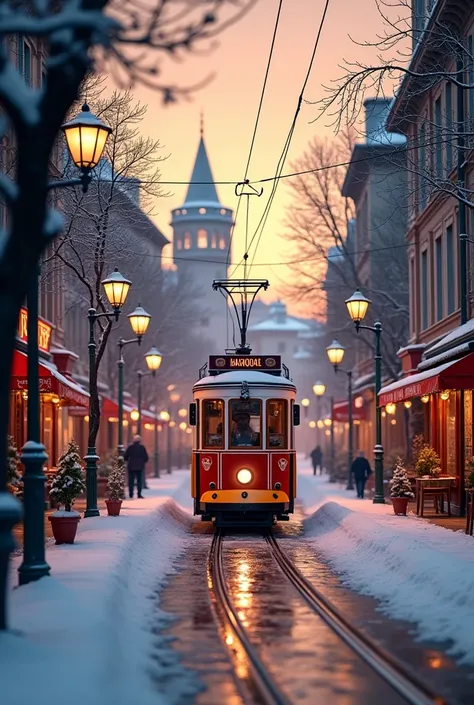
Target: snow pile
x,y
85,633
420,572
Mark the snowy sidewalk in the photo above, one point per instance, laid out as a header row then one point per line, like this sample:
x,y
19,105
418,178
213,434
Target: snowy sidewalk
x,y
83,634
420,572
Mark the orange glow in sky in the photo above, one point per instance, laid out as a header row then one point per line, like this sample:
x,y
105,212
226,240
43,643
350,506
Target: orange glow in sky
x,y
230,101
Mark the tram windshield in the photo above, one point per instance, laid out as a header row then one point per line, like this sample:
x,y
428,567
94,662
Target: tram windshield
x,y
213,421
245,426
277,423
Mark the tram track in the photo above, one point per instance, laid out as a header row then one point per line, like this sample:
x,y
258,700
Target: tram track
x,y
263,684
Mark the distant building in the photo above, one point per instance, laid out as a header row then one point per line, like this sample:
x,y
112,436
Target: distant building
x,y
201,239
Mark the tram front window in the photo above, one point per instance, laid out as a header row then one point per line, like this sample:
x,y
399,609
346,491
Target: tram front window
x,y
277,423
245,423
213,419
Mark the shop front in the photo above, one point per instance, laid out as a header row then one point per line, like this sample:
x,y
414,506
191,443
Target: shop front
x,y
446,393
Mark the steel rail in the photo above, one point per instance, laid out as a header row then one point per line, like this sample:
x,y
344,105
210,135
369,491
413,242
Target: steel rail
x,y
263,682
389,668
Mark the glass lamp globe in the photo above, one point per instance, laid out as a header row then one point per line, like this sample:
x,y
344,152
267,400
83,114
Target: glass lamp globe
x,y
335,353
134,415
319,388
116,289
86,136
153,359
305,402
164,416
390,408
183,425
357,306
175,397
139,320
182,413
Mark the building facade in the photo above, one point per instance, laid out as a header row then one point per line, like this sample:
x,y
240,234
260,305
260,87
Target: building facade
x,y
437,375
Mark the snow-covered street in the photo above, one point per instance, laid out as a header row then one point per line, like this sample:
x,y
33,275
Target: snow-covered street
x,y
89,631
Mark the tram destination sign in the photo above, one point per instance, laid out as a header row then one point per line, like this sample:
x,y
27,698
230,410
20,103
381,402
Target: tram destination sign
x,y
262,363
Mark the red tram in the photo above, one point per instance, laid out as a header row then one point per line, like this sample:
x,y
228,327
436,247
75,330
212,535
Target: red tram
x,y
244,461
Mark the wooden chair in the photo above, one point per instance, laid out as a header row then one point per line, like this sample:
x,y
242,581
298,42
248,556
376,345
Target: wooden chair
x,y
437,494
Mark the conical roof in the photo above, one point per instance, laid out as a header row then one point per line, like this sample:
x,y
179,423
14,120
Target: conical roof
x,y
199,192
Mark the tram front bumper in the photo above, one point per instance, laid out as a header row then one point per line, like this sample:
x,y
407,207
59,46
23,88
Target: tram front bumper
x,y
245,500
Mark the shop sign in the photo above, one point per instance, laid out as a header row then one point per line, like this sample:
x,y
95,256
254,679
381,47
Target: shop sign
x,y
44,331
264,363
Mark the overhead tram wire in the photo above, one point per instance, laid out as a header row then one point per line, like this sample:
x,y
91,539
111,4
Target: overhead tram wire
x,y
284,154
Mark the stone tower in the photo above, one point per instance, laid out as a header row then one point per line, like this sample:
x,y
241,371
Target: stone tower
x,y
201,235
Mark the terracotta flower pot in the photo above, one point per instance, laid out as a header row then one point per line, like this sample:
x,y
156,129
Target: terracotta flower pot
x,y
64,527
113,507
400,505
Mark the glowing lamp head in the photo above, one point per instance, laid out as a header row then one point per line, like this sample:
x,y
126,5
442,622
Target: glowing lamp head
x,y
116,289
134,415
335,353
305,402
328,422
153,359
182,413
175,397
139,320
444,395
244,476
357,306
425,398
164,416
390,408
312,424
319,388
407,404
320,423
86,136
183,425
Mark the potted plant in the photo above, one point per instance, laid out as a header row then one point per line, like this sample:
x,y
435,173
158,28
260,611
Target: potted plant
x,y
67,485
428,463
14,478
400,491
115,487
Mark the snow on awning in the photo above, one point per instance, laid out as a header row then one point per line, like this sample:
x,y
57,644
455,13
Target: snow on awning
x,y
341,412
50,381
457,374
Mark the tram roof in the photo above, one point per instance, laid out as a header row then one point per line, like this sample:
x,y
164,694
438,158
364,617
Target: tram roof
x,y
258,379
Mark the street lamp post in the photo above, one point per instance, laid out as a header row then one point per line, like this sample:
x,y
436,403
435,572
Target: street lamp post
x,y
357,305
86,137
318,390
335,353
153,360
116,290
139,322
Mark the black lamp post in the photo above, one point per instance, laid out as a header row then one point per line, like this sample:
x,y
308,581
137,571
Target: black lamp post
x,y
116,290
335,353
86,137
357,305
153,359
139,321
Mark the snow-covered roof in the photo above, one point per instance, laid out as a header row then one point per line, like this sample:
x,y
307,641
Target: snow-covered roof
x,y
450,354
456,334
418,377
302,355
201,188
289,324
235,378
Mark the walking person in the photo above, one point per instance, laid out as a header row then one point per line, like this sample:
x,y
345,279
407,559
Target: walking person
x,y
317,460
361,471
136,458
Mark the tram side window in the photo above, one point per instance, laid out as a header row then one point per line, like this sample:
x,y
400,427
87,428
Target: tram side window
x,y
213,422
277,423
245,426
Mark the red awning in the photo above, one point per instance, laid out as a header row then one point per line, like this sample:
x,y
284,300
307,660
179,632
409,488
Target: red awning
x,y
50,381
341,412
457,374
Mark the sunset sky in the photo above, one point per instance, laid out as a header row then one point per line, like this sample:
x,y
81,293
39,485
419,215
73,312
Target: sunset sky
x,y
230,101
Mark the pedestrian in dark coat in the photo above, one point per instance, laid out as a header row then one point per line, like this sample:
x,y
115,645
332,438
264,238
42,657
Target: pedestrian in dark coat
x,y
361,471
317,460
136,458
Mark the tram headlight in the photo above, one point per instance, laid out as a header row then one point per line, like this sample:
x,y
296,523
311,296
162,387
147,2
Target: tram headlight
x,y
244,476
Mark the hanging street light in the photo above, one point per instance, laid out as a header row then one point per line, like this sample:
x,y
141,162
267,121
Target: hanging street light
x,y
390,408
182,413
153,359
335,353
86,137
139,321
164,416
319,388
116,289
134,414
357,306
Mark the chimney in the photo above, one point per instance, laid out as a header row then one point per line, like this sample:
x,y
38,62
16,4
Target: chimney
x,y
376,110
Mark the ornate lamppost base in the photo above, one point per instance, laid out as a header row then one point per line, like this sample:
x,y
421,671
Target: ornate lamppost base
x,y
91,483
10,514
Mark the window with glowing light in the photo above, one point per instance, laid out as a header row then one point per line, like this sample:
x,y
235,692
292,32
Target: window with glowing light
x,y
213,423
222,243
179,243
202,239
245,423
187,241
277,423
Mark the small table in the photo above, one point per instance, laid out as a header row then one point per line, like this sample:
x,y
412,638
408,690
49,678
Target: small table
x,y
435,487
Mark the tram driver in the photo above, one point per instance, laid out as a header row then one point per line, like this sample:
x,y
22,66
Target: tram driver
x,y
243,433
